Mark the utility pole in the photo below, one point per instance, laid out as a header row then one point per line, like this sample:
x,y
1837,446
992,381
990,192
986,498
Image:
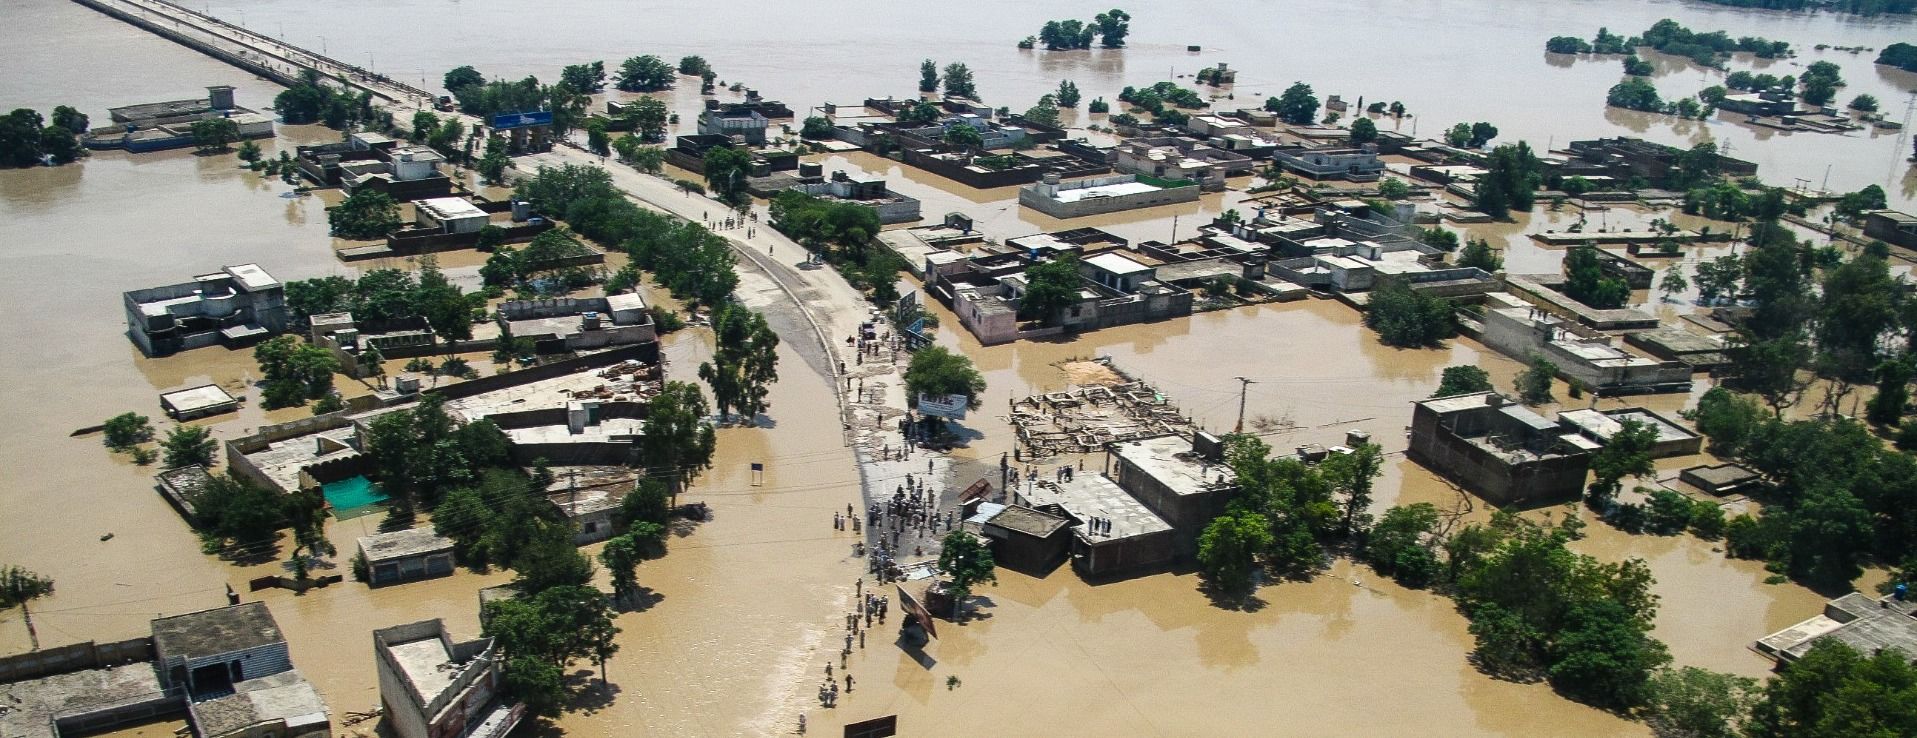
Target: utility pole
x,y
1243,386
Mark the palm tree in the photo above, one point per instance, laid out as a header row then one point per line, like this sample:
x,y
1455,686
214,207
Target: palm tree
x,y
18,587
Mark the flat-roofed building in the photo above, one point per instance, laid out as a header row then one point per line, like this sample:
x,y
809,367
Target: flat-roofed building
x,y
233,307
405,555
449,215
1500,451
1859,621
1098,195
431,686
198,402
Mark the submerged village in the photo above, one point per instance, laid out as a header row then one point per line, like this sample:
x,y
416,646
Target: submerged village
x,y
632,399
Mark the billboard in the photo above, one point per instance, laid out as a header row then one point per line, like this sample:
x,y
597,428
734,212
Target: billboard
x,y
943,406
509,121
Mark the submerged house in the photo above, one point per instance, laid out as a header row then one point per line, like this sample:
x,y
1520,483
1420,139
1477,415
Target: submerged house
x,y
232,307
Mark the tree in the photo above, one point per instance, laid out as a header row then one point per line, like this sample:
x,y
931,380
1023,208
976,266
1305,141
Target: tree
x,y
366,213
1635,93
919,114
693,65
966,561
1363,131
1067,95
1044,113
677,442
22,138
462,77
1534,384
127,430
19,587
744,361
936,371
963,137
646,503
233,509
1860,103
597,141
1512,181
1351,474
1478,253
1297,106
646,73
1396,189
1604,657
188,445
1835,691
492,167
1893,393
621,557
1673,284
584,78
817,128
250,152
1463,379
1400,545
1626,454
1113,25
60,145
1482,133
1854,204
213,134
1587,283
1229,546
1405,317
726,171
928,76
649,117
71,120
958,81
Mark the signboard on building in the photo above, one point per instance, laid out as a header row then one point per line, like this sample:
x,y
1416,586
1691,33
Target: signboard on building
x,y
529,119
943,406
907,306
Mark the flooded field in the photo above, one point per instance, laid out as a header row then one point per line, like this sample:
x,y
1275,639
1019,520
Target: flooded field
x,y
745,607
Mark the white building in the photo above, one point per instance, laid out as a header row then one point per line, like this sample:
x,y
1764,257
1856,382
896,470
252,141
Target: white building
x,y
1099,195
449,215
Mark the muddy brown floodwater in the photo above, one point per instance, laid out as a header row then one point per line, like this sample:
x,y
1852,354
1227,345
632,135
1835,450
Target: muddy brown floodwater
x,y
746,606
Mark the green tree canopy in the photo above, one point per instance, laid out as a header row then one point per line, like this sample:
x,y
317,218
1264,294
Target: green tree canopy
x,y
937,371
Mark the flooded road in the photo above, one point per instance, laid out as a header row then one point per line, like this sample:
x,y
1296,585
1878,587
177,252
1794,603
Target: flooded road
x,y
746,604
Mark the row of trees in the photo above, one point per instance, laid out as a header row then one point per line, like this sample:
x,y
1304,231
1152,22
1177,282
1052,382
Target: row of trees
x,y
692,262
295,371
1109,27
1537,609
566,100
540,269
957,79
843,234
26,140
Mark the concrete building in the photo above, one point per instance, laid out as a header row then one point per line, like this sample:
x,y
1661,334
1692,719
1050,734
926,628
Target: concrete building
x,y
568,324
198,402
1180,159
729,121
1359,164
1024,539
232,307
1601,425
169,125
449,215
431,686
402,172
1183,480
1499,451
1582,355
870,192
1098,195
1857,620
1626,158
234,667
405,555
1112,533
1892,227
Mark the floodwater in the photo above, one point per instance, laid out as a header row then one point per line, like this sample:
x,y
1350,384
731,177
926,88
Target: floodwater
x,y
1447,61
746,605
